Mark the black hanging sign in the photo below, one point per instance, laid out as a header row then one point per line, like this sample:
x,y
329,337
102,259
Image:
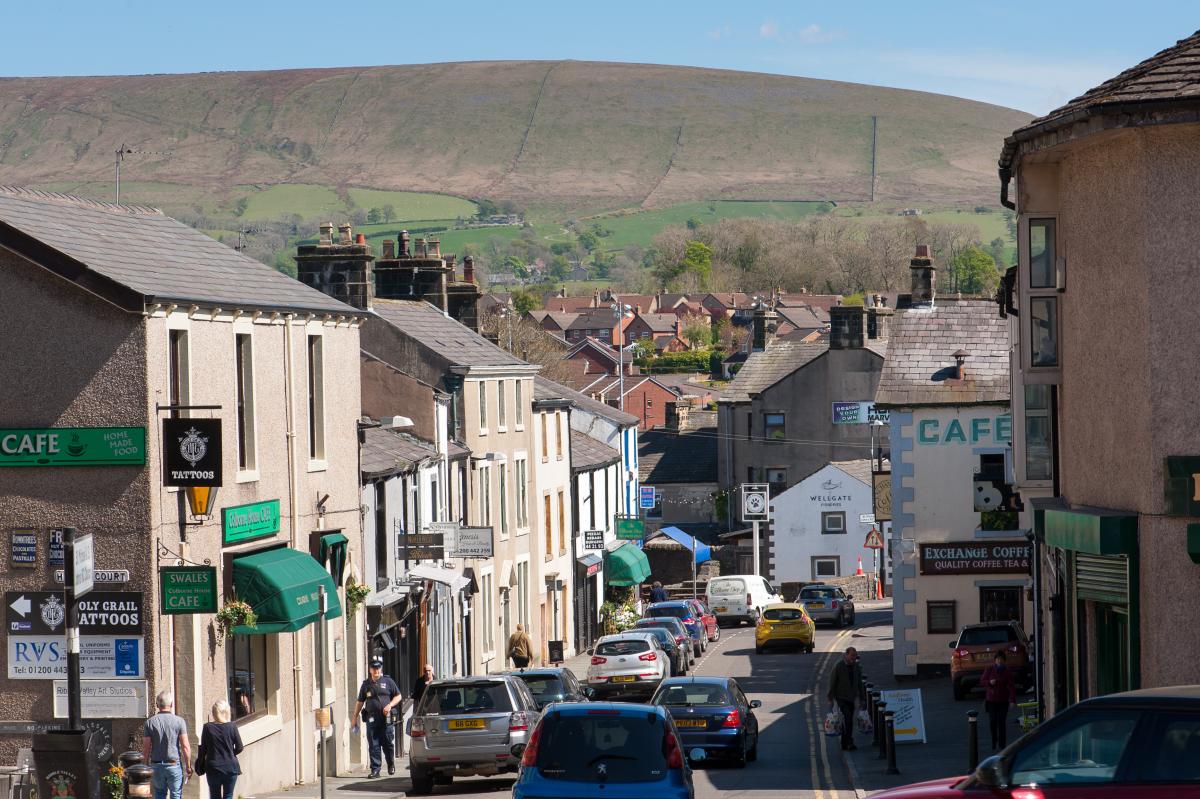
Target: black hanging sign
x,y
191,452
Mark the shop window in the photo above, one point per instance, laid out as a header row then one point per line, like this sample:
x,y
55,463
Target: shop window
x,y
833,522
1039,438
773,426
1000,604
825,567
249,677
1041,253
940,618
1043,333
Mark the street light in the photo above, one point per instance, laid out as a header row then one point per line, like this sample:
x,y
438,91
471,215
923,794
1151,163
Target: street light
x,y
620,311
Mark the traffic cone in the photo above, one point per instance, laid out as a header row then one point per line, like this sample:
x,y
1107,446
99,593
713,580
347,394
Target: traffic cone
x,y
878,589
859,572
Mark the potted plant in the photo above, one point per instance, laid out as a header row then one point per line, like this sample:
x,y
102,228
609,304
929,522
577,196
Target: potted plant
x,y
234,613
356,594
114,781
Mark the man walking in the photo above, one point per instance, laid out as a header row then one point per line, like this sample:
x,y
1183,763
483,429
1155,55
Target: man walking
x,y
845,684
658,593
377,695
165,747
520,648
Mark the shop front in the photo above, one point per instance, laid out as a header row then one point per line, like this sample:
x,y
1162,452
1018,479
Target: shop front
x,y
589,573
625,567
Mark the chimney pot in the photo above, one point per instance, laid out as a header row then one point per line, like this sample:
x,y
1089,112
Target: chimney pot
x,y
361,238
404,244
344,231
389,249
922,251
435,245
469,269
326,233
960,358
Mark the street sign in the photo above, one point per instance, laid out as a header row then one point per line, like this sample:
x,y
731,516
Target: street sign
x,y
471,542
420,546
881,491
910,714
44,657
874,540
593,539
630,528
83,567
100,576
866,518
24,549
756,502
58,555
110,699
187,589
646,497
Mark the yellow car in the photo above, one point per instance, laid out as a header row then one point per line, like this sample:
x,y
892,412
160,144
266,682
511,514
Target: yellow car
x,y
785,624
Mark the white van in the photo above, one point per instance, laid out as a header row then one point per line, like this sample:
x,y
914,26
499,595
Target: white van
x,y
740,597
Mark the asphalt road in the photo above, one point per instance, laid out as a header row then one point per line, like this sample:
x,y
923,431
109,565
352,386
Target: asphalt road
x,y
794,758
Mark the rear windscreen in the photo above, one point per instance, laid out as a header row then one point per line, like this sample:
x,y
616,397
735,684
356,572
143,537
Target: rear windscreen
x,y
726,587
783,614
987,635
602,748
664,635
673,612
674,626
544,685
817,593
693,696
629,647
446,700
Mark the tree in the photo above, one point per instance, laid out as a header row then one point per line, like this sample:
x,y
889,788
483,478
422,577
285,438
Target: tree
x,y
559,267
525,300
485,208
389,212
976,271
562,248
374,216
693,270
588,240
239,208
996,250
512,263
697,330
693,223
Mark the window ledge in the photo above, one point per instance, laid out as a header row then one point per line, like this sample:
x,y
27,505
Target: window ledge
x,y
318,465
483,431
522,531
549,557
520,427
247,476
502,428
545,459
260,728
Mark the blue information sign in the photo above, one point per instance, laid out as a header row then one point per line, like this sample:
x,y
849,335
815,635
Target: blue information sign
x,y
646,496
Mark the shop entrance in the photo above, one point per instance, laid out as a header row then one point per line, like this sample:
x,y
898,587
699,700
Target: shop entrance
x,y
1001,604
1112,649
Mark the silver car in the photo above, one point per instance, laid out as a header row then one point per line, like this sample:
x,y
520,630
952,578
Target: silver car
x,y
469,726
828,603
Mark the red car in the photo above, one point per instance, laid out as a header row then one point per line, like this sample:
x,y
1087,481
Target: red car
x,y
1139,744
707,618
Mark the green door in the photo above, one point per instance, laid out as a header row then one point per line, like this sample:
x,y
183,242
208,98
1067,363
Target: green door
x,y
1112,649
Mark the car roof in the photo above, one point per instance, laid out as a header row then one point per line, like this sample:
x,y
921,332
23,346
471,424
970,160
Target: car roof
x,y
1172,693
657,621
606,708
986,624
819,585
789,605
504,678
535,670
670,603
698,680
630,635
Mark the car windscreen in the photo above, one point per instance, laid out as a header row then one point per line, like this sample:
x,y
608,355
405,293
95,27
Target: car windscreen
x,y
459,698
630,646
817,593
693,696
980,636
671,611
602,747
544,686
726,587
783,614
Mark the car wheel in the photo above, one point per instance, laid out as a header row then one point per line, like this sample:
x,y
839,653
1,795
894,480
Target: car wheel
x,y
716,634
422,781
752,755
758,650
959,693
841,622
696,650
740,759
853,615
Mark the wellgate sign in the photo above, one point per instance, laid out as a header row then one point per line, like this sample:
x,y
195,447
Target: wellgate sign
x,y
976,557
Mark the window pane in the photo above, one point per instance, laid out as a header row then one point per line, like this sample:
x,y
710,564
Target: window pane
x,y
773,425
482,404
1037,398
1176,744
941,617
248,681
826,568
1041,253
501,410
1043,316
1037,448
1087,751
520,406
316,398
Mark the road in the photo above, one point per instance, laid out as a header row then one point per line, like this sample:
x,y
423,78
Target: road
x,y
794,757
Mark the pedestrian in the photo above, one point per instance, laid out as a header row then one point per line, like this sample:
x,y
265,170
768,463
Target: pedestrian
x,y
845,683
220,744
377,695
657,592
520,648
166,748
422,683
1000,691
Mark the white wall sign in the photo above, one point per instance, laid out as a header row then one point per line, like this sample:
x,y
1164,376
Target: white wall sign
x,y
84,565
44,657
470,542
106,699
910,714
100,576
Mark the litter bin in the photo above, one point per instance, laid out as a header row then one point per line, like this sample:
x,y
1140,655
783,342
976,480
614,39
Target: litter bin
x,y
66,764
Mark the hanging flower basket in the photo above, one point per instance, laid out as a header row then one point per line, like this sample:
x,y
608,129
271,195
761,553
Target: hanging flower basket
x,y
234,613
356,594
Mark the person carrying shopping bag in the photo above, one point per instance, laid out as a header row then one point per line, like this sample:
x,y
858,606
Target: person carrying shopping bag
x,y
220,744
845,687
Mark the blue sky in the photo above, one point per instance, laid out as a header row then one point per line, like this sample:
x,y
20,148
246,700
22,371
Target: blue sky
x,y
1028,55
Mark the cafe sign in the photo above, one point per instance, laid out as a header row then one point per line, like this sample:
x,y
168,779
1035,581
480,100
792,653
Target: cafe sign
x,y
73,446
247,522
976,557
187,589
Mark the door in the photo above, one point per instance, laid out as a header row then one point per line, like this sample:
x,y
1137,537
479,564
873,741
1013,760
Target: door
x,y
1112,649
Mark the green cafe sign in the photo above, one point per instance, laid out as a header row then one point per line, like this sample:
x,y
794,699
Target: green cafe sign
x,y
73,446
245,522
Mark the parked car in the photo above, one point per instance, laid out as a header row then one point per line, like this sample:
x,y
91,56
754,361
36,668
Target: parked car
x,y
1143,744
676,628
468,727
551,684
627,665
785,625
713,716
828,603
708,618
976,647
738,598
679,655
604,749
683,610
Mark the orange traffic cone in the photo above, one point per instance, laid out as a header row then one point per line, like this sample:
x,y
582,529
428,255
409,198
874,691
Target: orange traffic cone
x,y
859,572
878,589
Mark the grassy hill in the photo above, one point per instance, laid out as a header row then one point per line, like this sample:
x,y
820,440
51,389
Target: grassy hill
x,y
574,136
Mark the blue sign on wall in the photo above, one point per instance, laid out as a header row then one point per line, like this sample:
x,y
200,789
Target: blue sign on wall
x,y
646,496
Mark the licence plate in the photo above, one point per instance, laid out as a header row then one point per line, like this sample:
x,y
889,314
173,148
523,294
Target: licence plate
x,y
624,679
721,609
787,627
816,604
691,723
981,657
467,724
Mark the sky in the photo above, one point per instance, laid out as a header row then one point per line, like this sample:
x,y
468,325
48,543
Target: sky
x,y
1032,56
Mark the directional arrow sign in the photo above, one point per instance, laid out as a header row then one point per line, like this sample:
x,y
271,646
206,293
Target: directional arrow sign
x,y
22,606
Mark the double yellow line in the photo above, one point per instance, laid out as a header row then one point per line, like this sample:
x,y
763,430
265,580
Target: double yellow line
x,y
822,776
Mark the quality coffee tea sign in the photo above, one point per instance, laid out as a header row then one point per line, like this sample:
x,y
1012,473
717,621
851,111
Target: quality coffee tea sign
x,y
191,452
976,557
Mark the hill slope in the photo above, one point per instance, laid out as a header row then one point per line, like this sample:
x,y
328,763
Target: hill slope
x,y
556,133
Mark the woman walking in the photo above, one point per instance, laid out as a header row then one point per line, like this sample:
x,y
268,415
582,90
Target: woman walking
x,y
220,744
1001,691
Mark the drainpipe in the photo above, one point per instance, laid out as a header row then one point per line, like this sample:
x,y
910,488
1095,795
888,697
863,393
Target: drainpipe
x,y
290,403
1005,177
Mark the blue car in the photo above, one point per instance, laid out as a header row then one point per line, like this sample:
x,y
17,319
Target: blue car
x,y
683,611
714,718
612,750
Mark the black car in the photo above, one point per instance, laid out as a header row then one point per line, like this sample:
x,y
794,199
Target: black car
x,y
713,716
679,656
675,626
551,684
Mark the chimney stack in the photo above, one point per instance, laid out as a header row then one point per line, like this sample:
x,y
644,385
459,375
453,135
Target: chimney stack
x,y
846,331
765,324
435,245
344,231
344,270
923,275
326,233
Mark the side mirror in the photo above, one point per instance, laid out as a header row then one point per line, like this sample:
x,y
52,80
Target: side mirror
x,y
992,773
517,750
591,651
755,703
951,644
589,692
849,596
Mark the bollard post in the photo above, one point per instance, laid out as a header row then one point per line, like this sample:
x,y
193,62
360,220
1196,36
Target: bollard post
x,y
881,711
874,708
889,723
972,740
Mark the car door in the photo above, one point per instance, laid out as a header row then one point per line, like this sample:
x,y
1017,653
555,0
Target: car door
x,y
747,713
1168,760
1089,755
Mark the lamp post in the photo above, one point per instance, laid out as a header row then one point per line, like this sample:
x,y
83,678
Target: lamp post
x,y
619,311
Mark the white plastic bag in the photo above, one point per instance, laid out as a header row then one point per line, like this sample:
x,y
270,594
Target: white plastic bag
x,y
834,722
862,722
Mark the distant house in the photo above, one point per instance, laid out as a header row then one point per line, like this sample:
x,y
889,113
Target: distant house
x,y
682,467
598,323
579,272
654,326
552,321
723,305
668,302
800,322
493,302
598,358
560,302
644,397
638,303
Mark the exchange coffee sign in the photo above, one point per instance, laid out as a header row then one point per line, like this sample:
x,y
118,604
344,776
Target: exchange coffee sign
x,y
191,452
976,557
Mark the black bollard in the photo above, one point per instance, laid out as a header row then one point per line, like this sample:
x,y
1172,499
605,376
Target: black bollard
x,y
889,724
874,713
881,711
972,740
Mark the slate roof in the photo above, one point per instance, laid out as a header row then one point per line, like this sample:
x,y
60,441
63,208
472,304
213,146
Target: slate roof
x,y
666,457
452,340
919,367
803,316
562,319
389,451
764,369
568,304
587,453
671,300
659,322
592,318
545,388
858,469
137,256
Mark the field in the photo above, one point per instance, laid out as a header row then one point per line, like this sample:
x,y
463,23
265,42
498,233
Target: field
x,y
641,227
310,201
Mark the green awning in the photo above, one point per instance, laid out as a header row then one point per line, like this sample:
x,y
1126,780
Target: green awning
x,y
1093,530
333,555
281,586
626,565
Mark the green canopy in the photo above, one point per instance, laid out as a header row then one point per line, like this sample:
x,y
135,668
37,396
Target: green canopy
x,y
626,565
281,586
333,554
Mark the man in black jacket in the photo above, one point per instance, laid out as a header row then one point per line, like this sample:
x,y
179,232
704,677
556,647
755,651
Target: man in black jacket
x,y
376,697
845,686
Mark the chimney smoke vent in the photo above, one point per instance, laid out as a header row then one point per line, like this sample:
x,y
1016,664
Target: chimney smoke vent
x,y
404,244
468,269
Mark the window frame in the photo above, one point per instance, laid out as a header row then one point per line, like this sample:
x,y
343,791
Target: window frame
x,y
522,479
1044,415
502,494
562,522
501,408
1028,294
941,604
545,438
558,435
816,559
315,351
483,414
548,514
774,431
246,421
830,515
484,489
518,403
268,688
